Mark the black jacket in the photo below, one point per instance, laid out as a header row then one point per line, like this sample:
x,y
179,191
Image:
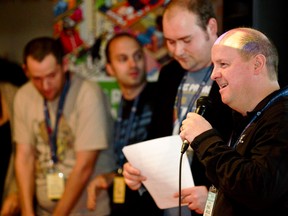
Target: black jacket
x,y
252,177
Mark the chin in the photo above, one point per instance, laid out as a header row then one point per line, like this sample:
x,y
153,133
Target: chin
x,y
49,97
224,99
185,65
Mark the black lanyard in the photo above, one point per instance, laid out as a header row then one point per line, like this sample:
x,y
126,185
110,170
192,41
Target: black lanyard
x,y
280,94
195,96
53,133
121,141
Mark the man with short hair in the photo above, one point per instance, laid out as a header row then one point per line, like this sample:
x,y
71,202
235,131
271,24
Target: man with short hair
x,y
126,62
62,131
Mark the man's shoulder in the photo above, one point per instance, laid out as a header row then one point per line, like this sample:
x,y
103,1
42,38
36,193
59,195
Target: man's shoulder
x,y
26,86
151,86
171,74
27,89
26,96
149,91
83,89
171,65
79,83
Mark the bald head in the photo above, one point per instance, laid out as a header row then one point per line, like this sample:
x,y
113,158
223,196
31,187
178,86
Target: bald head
x,y
250,42
245,68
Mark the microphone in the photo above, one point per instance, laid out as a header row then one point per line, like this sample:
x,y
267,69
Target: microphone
x,y
202,104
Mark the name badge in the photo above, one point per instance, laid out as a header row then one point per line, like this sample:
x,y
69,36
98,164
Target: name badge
x,y
55,185
210,201
119,190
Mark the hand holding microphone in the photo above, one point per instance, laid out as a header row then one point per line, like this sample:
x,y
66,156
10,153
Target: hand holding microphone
x,y
195,124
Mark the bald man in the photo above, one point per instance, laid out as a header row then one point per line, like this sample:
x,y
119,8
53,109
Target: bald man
x,y
250,173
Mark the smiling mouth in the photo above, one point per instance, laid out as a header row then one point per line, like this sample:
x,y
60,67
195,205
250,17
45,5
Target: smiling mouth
x,y
183,59
223,85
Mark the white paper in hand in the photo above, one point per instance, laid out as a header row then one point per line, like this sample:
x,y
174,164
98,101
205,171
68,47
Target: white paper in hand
x,y
159,160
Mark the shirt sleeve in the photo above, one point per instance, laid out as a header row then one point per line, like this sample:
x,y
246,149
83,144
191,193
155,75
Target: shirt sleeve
x,y
94,122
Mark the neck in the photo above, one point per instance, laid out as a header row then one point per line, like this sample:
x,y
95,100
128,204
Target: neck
x,y
262,93
130,93
200,67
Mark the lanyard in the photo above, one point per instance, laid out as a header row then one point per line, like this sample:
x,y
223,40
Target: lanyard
x,y
195,96
120,140
53,133
279,95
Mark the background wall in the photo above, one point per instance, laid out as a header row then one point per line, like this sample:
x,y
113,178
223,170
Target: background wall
x,y
268,16
20,21
271,18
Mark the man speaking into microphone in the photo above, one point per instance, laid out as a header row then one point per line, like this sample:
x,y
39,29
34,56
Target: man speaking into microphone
x,y
250,173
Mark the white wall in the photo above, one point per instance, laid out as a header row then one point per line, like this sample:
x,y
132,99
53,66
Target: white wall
x,y
20,21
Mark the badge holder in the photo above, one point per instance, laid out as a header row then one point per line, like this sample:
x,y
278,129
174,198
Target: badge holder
x,y
212,194
55,182
55,179
119,188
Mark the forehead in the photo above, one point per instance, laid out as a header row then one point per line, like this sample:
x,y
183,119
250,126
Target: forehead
x,y
178,22
222,51
42,68
123,44
231,39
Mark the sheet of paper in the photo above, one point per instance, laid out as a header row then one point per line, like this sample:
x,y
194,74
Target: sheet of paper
x,y
159,161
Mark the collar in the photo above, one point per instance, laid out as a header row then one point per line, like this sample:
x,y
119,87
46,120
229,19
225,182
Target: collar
x,y
264,102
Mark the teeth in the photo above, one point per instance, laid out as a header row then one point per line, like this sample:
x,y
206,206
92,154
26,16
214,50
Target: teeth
x,y
223,85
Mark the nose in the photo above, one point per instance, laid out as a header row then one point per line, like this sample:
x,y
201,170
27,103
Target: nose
x,y
215,74
178,49
45,84
132,62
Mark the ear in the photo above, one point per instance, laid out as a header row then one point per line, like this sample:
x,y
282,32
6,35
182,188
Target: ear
x,y
212,26
25,69
65,64
109,69
259,63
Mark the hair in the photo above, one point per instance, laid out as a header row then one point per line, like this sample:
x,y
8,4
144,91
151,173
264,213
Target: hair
x,y
253,43
202,8
116,36
40,47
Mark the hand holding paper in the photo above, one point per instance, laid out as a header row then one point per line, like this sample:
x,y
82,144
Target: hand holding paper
x,y
158,160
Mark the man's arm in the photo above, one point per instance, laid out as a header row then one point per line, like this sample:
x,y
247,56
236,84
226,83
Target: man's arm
x,y
100,182
76,182
24,166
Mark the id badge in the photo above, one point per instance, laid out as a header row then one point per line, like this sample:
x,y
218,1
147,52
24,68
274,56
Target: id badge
x,y
119,190
55,185
212,194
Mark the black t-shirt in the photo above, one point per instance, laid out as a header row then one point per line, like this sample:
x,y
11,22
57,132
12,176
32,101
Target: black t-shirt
x,y
134,126
131,129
